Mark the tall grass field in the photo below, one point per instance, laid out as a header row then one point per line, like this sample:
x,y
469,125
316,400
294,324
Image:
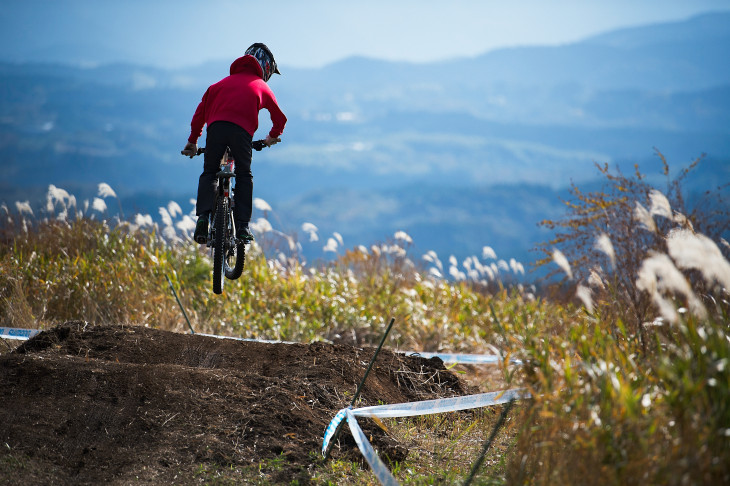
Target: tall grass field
x,y
625,350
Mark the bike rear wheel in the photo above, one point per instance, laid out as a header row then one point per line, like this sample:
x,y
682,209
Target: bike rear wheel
x,y
220,238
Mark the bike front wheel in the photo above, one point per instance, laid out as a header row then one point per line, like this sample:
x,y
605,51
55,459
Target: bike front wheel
x,y
222,216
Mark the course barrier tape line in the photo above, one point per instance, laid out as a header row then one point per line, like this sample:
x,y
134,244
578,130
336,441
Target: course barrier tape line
x,y
250,340
24,334
380,470
17,333
425,407
445,357
462,358
441,405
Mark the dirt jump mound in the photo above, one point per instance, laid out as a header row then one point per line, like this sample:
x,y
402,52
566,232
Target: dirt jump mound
x,y
88,404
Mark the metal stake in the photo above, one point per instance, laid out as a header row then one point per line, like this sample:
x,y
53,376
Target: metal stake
x,y
178,303
488,443
359,387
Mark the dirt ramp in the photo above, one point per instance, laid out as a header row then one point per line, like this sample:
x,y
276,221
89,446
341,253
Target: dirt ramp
x,y
85,404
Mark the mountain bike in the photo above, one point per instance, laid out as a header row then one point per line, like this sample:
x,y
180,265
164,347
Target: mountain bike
x,y
229,253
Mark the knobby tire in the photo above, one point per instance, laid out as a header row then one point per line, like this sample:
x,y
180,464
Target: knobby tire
x,y
219,244
239,255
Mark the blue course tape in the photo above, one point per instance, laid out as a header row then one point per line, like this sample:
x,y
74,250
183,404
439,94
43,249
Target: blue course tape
x,y
16,333
332,429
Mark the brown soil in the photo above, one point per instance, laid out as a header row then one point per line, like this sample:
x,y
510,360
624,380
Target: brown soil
x,y
82,404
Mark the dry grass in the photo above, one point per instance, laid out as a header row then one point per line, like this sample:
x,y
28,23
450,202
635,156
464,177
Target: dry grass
x,y
631,379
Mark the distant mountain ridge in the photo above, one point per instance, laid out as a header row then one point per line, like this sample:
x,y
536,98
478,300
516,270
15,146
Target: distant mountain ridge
x,y
699,45
711,26
363,128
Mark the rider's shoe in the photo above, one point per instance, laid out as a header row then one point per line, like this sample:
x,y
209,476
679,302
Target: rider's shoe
x,y
243,234
201,229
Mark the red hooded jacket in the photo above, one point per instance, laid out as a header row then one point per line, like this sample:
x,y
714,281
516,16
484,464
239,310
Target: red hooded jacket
x,y
238,98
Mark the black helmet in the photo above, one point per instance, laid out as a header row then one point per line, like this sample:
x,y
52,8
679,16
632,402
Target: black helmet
x,y
265,59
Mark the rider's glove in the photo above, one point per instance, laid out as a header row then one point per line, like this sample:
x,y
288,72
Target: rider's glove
x,y
271,140
191,149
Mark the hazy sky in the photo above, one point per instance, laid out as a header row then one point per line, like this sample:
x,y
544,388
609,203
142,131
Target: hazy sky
x,y
176,33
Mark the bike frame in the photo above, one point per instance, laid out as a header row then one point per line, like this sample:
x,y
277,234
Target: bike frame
x,y
225,190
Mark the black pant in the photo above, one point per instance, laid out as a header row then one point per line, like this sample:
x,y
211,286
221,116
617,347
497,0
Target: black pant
x,y
222,134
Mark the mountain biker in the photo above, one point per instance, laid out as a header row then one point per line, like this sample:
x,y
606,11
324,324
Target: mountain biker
x,y
231,108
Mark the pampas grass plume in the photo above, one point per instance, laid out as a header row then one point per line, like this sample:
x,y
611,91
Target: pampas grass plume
x,y
696,251
562,262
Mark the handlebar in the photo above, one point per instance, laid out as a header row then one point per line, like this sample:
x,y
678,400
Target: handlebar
x,y
257,145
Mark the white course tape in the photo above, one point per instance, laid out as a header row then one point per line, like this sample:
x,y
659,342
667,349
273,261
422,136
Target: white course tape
x,y
15,333
445,357
441,405
250,340
425,407
464,358
24,334
380,470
